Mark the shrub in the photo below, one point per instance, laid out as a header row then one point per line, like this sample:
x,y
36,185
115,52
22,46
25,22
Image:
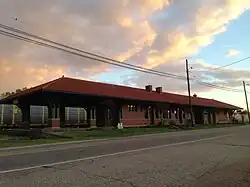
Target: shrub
x,y
172,123
163,123
187,122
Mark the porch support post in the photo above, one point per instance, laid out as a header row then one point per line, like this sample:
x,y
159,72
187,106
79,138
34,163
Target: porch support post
x,y
116,114
54,116
25,108
152,115
62,115
100,115
89,117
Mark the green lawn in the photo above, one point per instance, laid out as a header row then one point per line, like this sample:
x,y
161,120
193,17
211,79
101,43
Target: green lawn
x,y
109,132
98,133
79,134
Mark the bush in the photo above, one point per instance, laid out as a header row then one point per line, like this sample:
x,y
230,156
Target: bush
x,y
163,123
187,122
172,122
28,133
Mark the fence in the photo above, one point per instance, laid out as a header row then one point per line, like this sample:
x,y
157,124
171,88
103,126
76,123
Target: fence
x,y
11,115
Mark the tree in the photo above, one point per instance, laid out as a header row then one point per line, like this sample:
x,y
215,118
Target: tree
x,y
6,94
244,112
18,90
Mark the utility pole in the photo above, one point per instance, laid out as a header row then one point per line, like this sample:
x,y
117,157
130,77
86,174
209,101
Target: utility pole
x,y
189,94
244,85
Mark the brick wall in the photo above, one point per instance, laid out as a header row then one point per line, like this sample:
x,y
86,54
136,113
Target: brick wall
x,y
134,118
137,118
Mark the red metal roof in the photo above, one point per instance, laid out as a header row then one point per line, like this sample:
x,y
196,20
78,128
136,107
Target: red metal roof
x,y
71,85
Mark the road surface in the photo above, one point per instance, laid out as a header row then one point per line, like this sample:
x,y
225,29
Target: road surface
x,y
214,157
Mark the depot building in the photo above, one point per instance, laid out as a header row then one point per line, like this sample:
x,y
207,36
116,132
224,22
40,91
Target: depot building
x,y
108,104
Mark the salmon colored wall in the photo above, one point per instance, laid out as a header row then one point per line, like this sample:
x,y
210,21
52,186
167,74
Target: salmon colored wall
x,y
131,119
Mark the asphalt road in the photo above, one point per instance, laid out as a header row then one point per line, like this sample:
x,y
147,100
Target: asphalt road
x,y
215,157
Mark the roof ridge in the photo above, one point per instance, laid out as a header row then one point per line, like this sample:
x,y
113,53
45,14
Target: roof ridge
x,y
124,86
51,83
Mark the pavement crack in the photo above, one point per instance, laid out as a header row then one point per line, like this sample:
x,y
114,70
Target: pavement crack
x,y
208,172
58,168
232,145
47,167
108,177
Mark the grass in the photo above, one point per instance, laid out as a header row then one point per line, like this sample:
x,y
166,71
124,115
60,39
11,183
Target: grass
x,y
26,142
211,126
98,133
79,134
110,132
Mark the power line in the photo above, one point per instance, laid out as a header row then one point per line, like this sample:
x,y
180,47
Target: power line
x,y
106,60
84,56
227,65
83,51
215,86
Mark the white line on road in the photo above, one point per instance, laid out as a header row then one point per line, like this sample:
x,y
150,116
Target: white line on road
x,y
111,154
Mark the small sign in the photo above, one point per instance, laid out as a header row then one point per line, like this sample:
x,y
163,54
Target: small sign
x,y
120,126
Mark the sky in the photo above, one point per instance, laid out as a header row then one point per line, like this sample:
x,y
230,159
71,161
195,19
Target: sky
x,y
155,34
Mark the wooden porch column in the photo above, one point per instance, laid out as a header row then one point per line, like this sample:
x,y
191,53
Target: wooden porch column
x,y
115,112
100,115
152,116
62,115
25,108
89,117
54,116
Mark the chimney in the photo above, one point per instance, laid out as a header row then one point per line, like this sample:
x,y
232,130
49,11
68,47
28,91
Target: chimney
x,y
158,89
149,88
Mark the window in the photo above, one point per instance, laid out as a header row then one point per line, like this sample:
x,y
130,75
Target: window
x,y
129,108
135,108
132,108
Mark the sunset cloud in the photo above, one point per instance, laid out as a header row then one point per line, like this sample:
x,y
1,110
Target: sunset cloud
x,y
141,32
232,53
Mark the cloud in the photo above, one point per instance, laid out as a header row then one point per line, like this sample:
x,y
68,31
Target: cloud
x,y
232,53
200,73
26,74
194,26
102,27
155,34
